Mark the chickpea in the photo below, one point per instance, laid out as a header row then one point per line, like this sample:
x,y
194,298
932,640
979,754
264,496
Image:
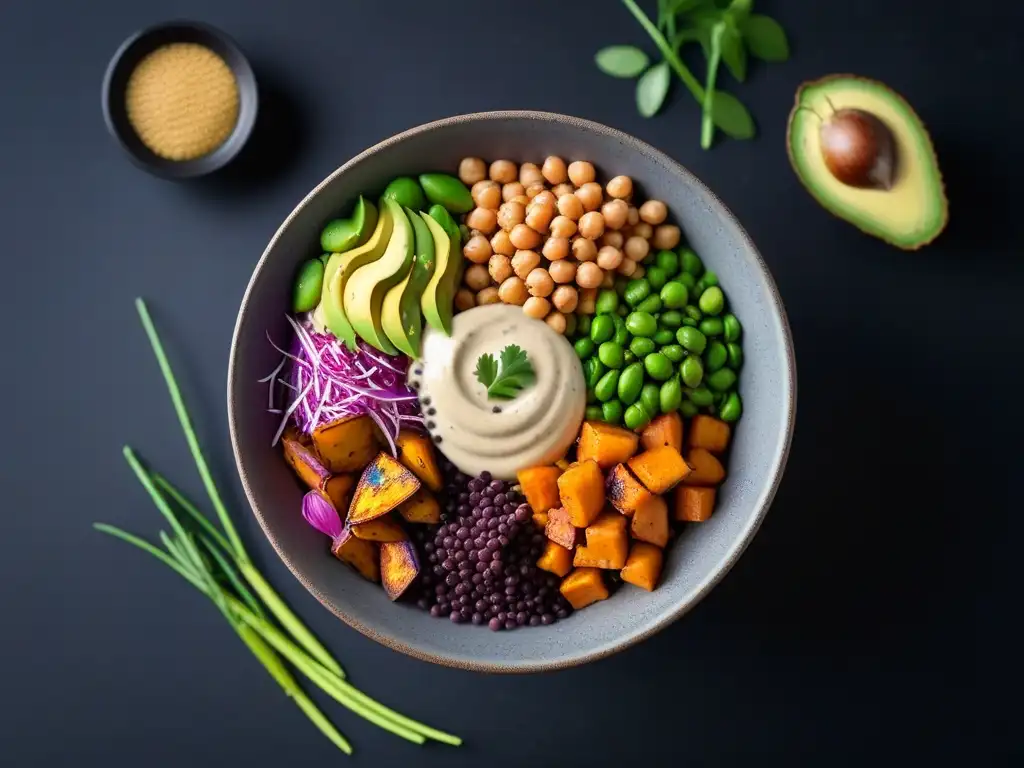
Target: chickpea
x,y
583,249
588,300
476,277
556,248
539,282
636,248
581,172
654,212
524,262
503,171
529,174
607,257
487,296
554,170
634,216
546,197
535,189
472,170
666,237
537,307
562,189
501,244
615,213
639,272
589,275
609,280
511,214
477,249
539,213
482,220
512,190
590,195
565,298
643,229
556,321
486,194
500,268
513,291
520,199
614,239
620,187
570,206
626,268
591,225
563,271
562,226
464,299
524,238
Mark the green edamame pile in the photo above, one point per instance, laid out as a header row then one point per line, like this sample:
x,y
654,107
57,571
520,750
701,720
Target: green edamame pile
x,y
661,343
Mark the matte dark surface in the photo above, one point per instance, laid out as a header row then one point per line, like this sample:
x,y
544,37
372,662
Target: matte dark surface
x,y
872,620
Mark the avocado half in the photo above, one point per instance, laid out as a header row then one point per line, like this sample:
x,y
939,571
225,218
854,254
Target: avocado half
x,y
909,215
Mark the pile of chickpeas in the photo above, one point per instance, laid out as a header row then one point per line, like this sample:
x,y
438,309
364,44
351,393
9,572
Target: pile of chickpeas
x,y
548,237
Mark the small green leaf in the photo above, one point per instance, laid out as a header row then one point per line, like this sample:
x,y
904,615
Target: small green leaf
x,y
765,38
733,53
731,116
683,36
512,373
486,369
621,60
707,129
740,9
652,88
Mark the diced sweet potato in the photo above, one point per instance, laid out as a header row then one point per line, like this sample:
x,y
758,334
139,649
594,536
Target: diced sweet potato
x,y
559,528
650,523
709,433
582,587
540,519
707,470
422,507
361,555
338,488
581,490
305,463
416,451
643,566
606,444
659,469
380,529
555,559
399,567
540,486
624,491
667,429
346,445
384,484
607,543
694,504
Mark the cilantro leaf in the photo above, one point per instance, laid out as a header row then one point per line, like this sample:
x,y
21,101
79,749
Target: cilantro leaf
x,y
486,369
505,378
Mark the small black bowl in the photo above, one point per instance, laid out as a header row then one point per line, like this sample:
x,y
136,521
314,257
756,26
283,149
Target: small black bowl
x,y
115,82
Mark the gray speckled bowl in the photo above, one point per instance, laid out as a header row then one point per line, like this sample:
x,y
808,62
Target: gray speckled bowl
x,y
698,559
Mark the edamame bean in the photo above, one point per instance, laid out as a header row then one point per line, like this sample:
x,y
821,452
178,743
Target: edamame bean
x,y
735,352
584,348
641,324
710,278
606,387
671,395
692,311
699,289
642,347
688,409
607,302
636,417
691,262
687,279
659,367
583,324
664,336
715,356
602,328
722,379
442,189
671,319
593,370
594,413
637,291
692,340
690,322
406,192
651,305
668,262
570,326
711,326
628,357
622,336
309,283
731,327
656,277
650,398
611,354
673,352
612,412
674,295
731,409
622,311
702,397
692,371
630,383
712,301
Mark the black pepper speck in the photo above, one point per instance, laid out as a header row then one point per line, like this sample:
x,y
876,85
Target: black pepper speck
x,y
431,411
495,409
437,439
431,425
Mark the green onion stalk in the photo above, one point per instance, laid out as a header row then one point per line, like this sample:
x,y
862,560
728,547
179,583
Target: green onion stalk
x,y
215,562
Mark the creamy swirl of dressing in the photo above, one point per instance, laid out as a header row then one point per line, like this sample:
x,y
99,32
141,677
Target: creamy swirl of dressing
x,y
499,436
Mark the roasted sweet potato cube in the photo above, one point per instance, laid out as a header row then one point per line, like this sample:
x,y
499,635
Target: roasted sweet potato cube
x,y
560,529
540,486
624,491
384,484
581,490
709,433
422,507
643,566
306,464
556,559
650,523
399,567
364,556
606,444
659,469
667,429
540,519
416,451
707,469
346,445
694,504
338,488
607,542
583,586
380,529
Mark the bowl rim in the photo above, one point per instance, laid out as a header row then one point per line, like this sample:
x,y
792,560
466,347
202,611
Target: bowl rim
x,y
717,572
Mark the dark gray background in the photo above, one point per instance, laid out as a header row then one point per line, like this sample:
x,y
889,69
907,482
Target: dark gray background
x,y
868,620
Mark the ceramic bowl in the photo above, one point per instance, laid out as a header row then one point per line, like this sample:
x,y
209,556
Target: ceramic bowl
x,y
702,554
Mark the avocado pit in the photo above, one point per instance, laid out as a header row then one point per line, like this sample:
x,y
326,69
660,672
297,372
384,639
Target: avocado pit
x,y
859,149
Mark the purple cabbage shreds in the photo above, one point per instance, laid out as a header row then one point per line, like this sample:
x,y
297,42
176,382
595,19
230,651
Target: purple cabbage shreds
x,y
320,380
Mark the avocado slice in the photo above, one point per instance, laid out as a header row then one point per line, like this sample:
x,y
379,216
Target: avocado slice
x,y
439,293
341,266
400,315
365,290
910,214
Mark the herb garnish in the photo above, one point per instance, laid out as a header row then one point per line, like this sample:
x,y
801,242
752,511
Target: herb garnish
x,y
508,375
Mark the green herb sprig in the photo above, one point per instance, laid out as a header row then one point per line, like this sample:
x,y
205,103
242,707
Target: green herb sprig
x,y
216,564
726,30
504,379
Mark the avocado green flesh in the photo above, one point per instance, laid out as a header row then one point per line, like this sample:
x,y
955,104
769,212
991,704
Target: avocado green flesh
x,y
915,210
439,294
400,314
